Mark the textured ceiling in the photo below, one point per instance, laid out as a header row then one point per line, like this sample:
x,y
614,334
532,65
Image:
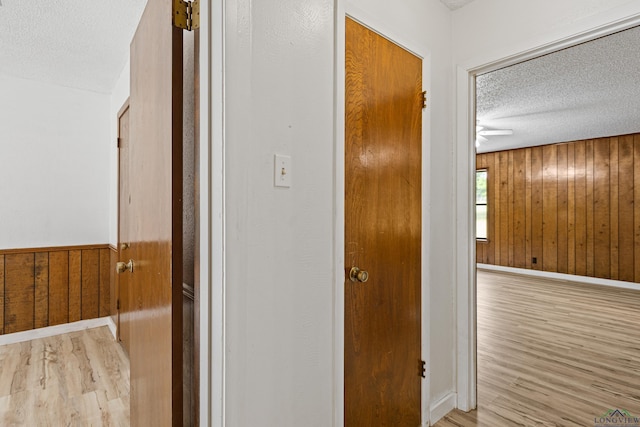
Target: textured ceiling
x,y
455,4
587,91
76,43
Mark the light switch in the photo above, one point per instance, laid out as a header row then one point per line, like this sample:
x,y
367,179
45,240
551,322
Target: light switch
x,y
282,171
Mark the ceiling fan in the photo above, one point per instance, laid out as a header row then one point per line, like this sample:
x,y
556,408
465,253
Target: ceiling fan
x,y
482,133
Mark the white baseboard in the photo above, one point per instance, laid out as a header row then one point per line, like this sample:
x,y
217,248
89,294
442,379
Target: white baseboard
x,y
112,327
561,276
442,407
50,331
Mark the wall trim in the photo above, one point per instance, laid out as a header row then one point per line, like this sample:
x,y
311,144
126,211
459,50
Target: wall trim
x,y
442,407
50,331
54,249
561,276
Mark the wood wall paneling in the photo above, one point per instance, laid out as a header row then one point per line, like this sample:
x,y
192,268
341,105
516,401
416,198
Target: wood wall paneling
x,y
90,284
571,209
637,205
19,286
104,292
581,209
601,209
519,218
58,287
510,203
550,207
41,314
51,286
1,294
536,208
563,203
590,209
503,157
626,208
75,285
90,273
613,206
570,206
527,207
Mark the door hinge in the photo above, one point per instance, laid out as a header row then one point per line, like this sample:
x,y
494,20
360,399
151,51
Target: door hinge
x,y
423,369
424,99
186,14
118,142
117,304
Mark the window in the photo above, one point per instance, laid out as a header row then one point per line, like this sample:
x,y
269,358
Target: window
x,y
481,205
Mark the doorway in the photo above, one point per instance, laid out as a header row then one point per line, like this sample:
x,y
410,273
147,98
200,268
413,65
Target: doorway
x,y
467,375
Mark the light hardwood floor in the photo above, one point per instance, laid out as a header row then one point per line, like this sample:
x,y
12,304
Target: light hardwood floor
x,y
75,379
553,353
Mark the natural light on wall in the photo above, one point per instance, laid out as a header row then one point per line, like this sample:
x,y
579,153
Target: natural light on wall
x,y
481,204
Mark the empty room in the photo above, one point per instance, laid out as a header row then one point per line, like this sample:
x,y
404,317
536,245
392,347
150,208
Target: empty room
x,y
557,176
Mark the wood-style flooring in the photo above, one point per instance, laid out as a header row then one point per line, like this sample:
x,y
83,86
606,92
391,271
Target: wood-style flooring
x,y
553,353
75,379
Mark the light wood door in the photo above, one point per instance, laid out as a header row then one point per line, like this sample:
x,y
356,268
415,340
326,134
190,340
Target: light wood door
x,y
156,219
124,193
382,231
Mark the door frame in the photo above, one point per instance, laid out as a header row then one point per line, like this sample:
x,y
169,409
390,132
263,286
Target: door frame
x,y
464,175
395,35
211,215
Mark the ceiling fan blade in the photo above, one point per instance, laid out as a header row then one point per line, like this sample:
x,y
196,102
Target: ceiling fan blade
x,y
496,132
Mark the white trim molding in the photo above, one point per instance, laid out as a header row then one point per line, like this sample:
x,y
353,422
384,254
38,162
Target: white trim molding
x,y
561,276
442,407
50,331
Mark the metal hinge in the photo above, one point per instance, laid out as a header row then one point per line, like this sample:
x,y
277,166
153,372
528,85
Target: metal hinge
x,y
423,369
118,142
117,304
186,14
424,99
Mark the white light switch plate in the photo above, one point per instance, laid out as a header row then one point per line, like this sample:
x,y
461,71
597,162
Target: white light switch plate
x,y
282,171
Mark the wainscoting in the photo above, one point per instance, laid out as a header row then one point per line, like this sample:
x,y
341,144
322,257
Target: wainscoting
x,y
51,286
565,208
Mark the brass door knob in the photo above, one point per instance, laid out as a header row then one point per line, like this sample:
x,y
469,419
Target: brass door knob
x,y
124,246
357,275
121,267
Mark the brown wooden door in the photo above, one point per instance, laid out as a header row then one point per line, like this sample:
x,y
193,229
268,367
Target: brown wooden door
x,y
155,221
383,229
124,193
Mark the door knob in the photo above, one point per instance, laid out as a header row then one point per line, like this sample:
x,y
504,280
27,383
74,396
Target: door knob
x,y
121,267
124,246
357,275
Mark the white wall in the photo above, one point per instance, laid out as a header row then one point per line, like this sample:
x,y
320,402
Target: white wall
x,y
54,165
279,270
279,260
119,95
487,30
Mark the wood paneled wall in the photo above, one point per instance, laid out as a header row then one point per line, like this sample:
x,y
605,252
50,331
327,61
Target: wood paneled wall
x,y
51,286
571,206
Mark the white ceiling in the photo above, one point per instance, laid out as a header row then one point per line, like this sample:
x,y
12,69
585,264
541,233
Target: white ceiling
x,y
76,43
588,91
455,4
